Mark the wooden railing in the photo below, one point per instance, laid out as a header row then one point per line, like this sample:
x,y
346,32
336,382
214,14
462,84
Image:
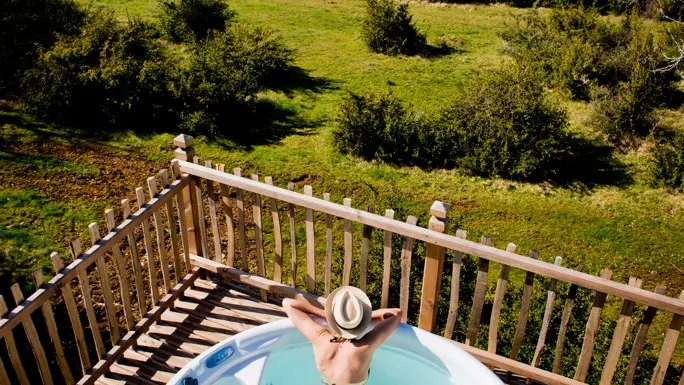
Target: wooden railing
x,y
104,267
213,221
233,193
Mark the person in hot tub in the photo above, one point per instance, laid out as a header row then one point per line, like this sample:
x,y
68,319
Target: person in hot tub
x,y
344,350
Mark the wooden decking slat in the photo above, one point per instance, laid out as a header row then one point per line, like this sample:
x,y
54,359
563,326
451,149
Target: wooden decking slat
x,y
145,373
233,321
205,314
197,325
184,342
109,381
243,307
160,349
135,358
170,344
175,362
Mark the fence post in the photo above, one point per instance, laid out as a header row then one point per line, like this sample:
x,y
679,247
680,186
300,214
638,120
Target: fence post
x,y
186,152
432,273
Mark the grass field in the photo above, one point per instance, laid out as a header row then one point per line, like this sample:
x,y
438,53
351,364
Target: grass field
x,y
629,227
603,221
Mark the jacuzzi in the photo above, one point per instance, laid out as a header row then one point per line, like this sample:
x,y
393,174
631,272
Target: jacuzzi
x,y
278,354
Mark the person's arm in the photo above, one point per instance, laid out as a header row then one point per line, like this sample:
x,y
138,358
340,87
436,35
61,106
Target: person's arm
x,y
298,312
389,320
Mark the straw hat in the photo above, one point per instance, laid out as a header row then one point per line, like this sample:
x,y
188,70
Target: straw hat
x,y
348,312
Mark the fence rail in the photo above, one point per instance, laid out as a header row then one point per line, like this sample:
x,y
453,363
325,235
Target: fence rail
x,y
208,220
430,236
103,267
437,241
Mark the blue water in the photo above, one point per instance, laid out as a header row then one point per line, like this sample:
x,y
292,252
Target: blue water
x,y
295,365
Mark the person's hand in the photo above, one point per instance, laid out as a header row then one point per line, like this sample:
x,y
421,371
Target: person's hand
x,y
303,306
382,314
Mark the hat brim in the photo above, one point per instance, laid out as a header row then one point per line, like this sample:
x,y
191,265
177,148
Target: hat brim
x,y
358,331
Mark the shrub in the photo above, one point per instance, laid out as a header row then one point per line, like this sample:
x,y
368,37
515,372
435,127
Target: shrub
x,y
667,166
380,127
106,74
673,9
506,126
674,48
620,116
225,73
26,25
388,28
191,20
574,47
626,111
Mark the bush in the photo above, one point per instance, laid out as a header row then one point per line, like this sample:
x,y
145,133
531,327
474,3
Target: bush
x,y
673,9
504,125
26,25
388,28
106,74
667,166
219,86
380,127
191,20
674,48
589,57
574,47
625,112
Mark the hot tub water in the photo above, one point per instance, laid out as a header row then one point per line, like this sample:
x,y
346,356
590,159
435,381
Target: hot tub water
x,y
278,354
295,365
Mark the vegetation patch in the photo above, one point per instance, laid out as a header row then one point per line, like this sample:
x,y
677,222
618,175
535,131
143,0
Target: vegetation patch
x,y
121,75
388,28
667,166
26,25
589,57
381,127
219,87
192,20
503,125
107,73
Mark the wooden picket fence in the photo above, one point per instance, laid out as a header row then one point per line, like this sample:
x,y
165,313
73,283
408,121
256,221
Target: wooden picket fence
x,y
200,223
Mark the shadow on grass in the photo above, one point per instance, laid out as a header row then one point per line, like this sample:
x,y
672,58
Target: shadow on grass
x,y
264,122
675,98
590,164
268,124
44,131
444,47
259,121
296,79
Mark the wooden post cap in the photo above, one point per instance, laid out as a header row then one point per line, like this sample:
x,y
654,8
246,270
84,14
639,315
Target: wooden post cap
x,y
437,224
440,209
183,141
184,151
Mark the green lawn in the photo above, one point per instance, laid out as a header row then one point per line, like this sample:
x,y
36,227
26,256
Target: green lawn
x,y
633,229
630,228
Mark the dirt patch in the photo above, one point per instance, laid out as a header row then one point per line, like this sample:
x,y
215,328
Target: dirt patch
x,y
117,177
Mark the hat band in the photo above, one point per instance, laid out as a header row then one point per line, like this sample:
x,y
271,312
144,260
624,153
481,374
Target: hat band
x,y
344,328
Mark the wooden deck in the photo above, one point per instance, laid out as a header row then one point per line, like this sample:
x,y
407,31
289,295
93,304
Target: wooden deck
x,y
206,314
